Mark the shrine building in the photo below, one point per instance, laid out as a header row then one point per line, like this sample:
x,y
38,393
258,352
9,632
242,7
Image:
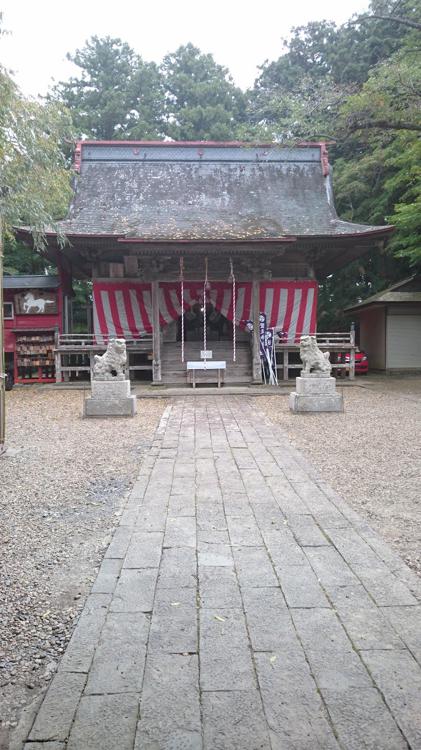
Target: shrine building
x,y
187,243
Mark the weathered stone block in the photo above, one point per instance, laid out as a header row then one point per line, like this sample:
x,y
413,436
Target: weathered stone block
x,y
234,720
341,669
119,658
110,389
110,398
398,677
368,628
45,746
80,651
105,721
107,577
170,708
225,659
301,587
254,567
144,550
58,709
135,590
314,375
218,588
315,403
306,386
174,622
123,407
178,568
292,704
361,719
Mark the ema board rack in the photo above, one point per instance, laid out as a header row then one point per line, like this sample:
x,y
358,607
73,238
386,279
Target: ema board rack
x,y
34,360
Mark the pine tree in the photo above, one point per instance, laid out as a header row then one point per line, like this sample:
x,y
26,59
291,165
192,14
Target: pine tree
x,y
117,94
202,102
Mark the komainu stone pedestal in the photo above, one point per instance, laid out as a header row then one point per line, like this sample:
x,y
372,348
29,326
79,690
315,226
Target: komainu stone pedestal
x,y
110,398
315,391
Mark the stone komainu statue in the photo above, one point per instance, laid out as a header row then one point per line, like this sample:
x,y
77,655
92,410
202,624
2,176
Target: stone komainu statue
x,y
312,358
111,364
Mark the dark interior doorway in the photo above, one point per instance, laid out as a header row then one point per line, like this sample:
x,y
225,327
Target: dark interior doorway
x,y
218,327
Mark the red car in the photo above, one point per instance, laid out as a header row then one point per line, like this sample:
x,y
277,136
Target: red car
x,y
361,363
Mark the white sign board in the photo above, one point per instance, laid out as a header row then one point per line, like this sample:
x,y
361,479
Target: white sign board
x,y
206,354
215,365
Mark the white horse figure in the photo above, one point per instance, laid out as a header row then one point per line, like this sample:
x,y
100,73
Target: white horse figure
x,y
37,305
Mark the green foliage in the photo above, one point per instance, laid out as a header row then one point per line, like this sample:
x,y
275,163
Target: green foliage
x,y
407,218
202,102
21,259
309,110
382,181
350,285
34,179
407,210
390,99
81,306
343,55
117,94
360,85
323,62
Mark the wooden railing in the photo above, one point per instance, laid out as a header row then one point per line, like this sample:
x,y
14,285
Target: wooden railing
x,y
336,342
91,340
74,353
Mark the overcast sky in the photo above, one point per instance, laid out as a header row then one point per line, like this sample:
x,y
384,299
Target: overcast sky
x,y
43,31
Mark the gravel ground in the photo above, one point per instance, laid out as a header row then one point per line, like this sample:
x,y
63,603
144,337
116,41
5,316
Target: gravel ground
x,y
62,482
371,454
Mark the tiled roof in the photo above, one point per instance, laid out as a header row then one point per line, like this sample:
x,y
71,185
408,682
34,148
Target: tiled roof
x,y
31,282
176,192
408,290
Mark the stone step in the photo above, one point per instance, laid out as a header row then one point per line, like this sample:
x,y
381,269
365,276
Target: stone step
x,y
177,364
242,356
175,371
231,375
179,379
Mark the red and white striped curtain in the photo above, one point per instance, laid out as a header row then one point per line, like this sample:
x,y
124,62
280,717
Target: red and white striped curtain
x,y
121,310
290,306
124,309
219,294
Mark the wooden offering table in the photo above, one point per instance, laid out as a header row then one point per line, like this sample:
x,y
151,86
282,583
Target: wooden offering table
x,y
214,366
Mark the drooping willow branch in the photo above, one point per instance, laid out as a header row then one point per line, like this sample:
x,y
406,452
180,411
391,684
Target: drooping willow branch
x,y
394,19
383,124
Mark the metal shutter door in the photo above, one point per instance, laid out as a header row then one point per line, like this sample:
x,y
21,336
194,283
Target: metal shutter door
x,y
403,344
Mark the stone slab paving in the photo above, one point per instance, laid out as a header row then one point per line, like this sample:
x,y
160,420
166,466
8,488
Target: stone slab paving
x,y
241,605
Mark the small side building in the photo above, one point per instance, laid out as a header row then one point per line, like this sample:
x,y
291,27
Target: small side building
x,y
390,326
34,312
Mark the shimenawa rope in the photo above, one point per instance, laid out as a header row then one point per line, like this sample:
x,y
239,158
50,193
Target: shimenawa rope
x,y
182,306
234,312
205,288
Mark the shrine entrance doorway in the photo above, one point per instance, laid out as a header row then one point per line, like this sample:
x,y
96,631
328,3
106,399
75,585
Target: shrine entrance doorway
x,y
218,327
219,346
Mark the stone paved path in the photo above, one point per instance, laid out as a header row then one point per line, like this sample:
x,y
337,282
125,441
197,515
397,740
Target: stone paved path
x,y
241,605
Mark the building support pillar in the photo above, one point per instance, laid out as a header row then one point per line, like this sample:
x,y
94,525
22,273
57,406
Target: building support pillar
x,y
57,358
352,353
255,307
156,334
285,373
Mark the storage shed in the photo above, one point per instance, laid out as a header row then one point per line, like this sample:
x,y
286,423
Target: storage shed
x,y
390,326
